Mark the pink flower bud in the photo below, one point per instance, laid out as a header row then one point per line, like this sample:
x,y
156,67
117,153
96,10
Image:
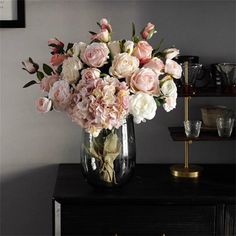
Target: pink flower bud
x,y
30,66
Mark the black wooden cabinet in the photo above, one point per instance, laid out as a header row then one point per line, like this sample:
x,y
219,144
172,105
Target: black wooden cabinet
x,y
153,203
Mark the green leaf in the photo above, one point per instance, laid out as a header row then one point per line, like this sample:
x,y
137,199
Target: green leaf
x,y
69,46
99,24
59,69
133,29
47,69
136,39
40,75
151,34
93,33
159,101
159,44
30,83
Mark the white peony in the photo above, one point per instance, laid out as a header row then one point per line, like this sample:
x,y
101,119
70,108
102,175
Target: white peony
x,y
114,47
142,106
170,103
124,65
129,47
70,69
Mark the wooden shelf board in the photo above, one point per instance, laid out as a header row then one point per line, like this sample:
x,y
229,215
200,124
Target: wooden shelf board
x,y
178,134
207,92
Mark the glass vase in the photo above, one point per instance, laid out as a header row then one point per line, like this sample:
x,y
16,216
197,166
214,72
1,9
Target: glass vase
x,y
108,160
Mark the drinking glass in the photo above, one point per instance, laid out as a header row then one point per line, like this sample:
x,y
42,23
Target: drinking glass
x,y
192,128
224,126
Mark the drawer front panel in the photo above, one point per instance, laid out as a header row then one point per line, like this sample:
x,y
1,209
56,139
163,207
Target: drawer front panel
x,y
138,220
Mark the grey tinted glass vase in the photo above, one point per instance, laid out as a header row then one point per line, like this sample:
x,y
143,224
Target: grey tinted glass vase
x,y
109,159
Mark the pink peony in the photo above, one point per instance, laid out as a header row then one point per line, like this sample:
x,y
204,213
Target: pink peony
x,y
57,59
143,51
47,82
145,80
43,104
60,95
148,31
156,65
95,54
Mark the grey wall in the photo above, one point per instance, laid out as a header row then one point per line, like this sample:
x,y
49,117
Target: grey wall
x,y
33,144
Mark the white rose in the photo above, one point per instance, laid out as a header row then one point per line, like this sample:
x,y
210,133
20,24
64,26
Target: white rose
x,y
129,47
114,47
142,106
173,68
171,53
124,65
78,48
170,103
70,69
168,88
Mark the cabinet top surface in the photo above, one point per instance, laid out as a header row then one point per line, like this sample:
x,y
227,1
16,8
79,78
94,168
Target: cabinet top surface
x,y
152,182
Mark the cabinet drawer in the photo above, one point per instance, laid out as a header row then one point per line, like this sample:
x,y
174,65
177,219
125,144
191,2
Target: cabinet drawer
x,y
137,220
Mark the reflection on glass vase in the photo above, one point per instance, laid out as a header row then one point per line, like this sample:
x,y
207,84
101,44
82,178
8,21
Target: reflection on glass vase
x,y
108,160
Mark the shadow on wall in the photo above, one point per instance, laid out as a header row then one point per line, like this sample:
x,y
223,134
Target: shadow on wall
x,y
27,202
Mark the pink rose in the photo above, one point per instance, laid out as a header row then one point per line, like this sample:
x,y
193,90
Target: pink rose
x,y
90,74
173,68
145,80
103,36
148,31
47,82
30,66
105,25
43,104
95,54
55,44
143,51
60,95
156,65
57,59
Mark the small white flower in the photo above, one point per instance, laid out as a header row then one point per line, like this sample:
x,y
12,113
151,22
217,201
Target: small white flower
x,y
169,88
142,106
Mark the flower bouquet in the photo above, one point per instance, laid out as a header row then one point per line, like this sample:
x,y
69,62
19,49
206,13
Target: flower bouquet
x,y
100,84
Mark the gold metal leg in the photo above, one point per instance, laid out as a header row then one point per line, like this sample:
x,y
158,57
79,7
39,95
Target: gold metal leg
x,y
185,170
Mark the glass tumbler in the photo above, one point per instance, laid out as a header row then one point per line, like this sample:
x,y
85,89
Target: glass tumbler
x,y
192,128
224,126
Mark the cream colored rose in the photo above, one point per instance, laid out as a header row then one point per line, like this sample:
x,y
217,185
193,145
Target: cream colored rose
x,y
168,88
173,68
142,106
171,53
78,48
114,47
124,65
129,47
70,69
